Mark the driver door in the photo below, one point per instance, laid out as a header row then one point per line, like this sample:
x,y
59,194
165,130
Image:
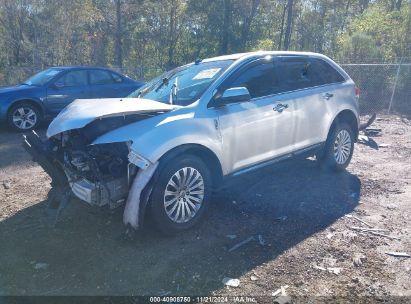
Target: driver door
x,y
258,130
70,86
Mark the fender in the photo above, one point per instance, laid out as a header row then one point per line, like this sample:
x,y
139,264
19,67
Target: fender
x,y
154,137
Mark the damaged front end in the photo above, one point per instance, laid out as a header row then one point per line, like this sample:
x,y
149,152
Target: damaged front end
x,y
99,174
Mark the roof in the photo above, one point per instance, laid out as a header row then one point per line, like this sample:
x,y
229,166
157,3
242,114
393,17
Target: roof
x,y
260,53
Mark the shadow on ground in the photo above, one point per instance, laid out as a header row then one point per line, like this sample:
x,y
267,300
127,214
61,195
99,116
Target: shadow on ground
x,y
86,255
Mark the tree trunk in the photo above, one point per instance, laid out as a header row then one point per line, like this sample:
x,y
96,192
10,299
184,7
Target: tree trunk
x,y
287,37
118,36
172,36
282,26
245,31
226,25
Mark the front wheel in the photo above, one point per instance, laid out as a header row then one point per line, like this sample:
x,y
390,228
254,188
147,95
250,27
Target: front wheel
x,y
23,117
339,147
180,195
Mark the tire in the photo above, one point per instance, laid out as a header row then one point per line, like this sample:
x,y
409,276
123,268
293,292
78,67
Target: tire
x,y
337,156
23,117
166,212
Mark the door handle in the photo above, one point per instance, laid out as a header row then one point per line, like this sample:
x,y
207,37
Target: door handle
x,y
327,96
280,107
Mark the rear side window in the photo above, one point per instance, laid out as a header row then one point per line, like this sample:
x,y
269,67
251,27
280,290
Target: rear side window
x,y
100,77
116,78
300,73
325,73
260,80
295,74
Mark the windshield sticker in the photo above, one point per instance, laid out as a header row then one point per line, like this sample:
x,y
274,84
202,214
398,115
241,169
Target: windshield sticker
x,y
205,74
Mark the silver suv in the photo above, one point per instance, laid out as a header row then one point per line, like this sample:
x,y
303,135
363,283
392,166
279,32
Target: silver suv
x,y
170,142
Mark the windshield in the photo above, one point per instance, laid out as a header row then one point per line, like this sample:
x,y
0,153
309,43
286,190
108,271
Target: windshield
x,y
183,85
42,77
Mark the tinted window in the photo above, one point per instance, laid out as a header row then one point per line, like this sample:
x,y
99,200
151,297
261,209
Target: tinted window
x,y
260,80
300,73
324,72
74,78
295,74
116,77
100,77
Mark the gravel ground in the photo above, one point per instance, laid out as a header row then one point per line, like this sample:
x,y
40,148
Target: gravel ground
x,y
300,219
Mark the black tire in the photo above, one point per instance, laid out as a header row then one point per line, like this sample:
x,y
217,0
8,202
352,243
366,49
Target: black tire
x,y
167,171
29,114
328,157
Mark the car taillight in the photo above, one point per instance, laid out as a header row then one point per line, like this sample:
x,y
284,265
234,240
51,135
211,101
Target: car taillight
x,y
357,91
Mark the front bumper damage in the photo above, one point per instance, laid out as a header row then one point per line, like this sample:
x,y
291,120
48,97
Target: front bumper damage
x,y
112,193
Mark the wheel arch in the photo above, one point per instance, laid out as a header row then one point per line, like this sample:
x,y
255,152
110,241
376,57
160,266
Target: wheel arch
x,y
30,101
205,154
348,117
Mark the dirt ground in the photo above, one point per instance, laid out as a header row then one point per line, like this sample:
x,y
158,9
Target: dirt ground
x,y
303,214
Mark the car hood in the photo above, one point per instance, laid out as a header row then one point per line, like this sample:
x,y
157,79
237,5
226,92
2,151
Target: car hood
x,y
13,89
81,112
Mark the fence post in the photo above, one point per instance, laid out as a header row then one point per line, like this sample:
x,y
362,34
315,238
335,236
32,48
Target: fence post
x,y
395,85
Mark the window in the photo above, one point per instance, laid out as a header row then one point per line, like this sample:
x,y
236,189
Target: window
x,y
324,72
300,73
295,73
117,78
73,78
260,80
100,77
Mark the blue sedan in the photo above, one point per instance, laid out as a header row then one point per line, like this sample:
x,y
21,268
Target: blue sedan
x,y
45,94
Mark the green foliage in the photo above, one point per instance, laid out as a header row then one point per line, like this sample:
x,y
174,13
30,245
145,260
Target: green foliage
x,y
148,37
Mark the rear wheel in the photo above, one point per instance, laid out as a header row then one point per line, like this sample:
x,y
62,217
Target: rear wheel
x,y
180,195
23,117
338,148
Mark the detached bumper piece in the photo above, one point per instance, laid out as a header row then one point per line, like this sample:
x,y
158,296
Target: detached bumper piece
x,y
60,193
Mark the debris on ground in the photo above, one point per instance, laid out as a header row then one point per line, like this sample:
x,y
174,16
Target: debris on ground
x,y
330,235
281,218
231,282
253,278
241,244
383,145
6,184
368,229
41,266
358,219
358,259
280,291
399,254
335,270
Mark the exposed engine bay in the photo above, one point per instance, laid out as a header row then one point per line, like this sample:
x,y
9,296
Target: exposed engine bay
x,y
97,174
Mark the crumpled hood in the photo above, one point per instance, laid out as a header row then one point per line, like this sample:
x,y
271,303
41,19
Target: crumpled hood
x,y
81,112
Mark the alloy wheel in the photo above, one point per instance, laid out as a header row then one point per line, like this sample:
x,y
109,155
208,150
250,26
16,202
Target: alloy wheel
x,y
184,195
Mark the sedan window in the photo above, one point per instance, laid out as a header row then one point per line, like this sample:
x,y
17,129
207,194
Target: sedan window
x,y
100,77
73,78
42,77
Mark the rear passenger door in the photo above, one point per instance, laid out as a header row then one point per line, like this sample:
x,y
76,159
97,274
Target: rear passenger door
x,y
105,84
311,87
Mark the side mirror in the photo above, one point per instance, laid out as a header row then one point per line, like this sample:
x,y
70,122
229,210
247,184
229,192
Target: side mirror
x,y
233,95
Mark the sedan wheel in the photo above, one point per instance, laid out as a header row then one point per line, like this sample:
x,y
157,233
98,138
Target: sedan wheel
x,y
23,117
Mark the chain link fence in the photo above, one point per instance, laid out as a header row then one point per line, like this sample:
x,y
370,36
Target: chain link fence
x,y
385,87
